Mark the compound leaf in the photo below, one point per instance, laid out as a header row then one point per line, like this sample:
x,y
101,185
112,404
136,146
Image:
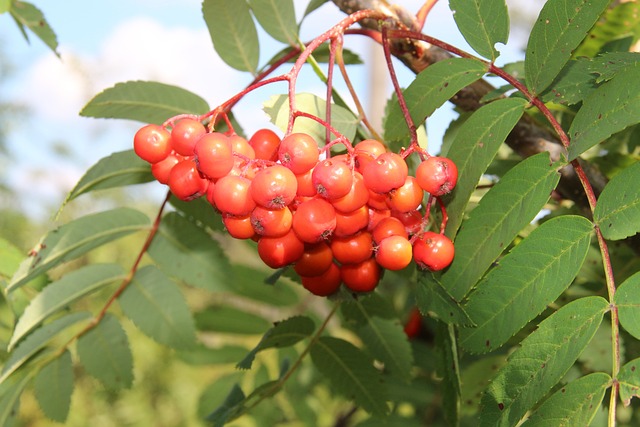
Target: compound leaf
x,y
185,251
525,282
10,392
76,238
428,91
621,19
474,147
26,15
147,102
608,64
433,299
233,33
54,386
575,83
609,109
627,298
38,340
505,210
629,379
230,320
116,170
542,360
283,334
59,294
482,23
157,307
617,210
351,373
278,18
559,29
104,352
575,404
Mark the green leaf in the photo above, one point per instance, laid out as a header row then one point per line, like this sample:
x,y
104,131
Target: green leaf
x,y
627,299
525,282
608,64
199,211
559,29
211,397
343,120
429,90
157,307
249,283
621,19
233,33
10,258
482,23
313,5
541,361
609,109
505,210
283,334
59,294
104,351
617,210
277,18
5,5
116,170
229,409
629,379
321,55
201,355
10,392
27,15
357,312
76,238
574,404
185,251
474,146
386,341
433,299
37,341
476,377
574,83
448,368
351,373
230,320
147,102
54,386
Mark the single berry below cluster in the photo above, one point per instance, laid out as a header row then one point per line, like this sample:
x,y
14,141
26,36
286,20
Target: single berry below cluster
x,y
340,220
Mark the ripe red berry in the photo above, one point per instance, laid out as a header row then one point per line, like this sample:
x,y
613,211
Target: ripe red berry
x,y
185,181
433,251
238,227
394,253
357,196
231,195
213,155
437,175
315,220
414,323
299,152
185,134
316,259
241,146
362,277
387,172
274,187
152,143
406,198
162,169
265,143
350,223
352,249
388,227
324,284
271,222
280,251
332,179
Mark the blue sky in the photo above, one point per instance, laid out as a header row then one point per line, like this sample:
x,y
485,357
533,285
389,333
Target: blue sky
x,y
106,42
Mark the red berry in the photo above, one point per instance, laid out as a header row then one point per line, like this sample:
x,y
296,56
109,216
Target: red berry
x,y
437,175
274,187
280,251
185,181
316,259
388,227
241,146
152,143
414,323
231,195
357,196
162,169
271,222
433,251
265,144
315,220
214,155
325,284
387,172
406,198
299,152
239,227
362,277
185,134
350,223
332,179
352,249
394,253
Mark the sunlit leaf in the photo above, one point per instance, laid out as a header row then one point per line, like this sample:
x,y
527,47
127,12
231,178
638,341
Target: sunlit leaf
x,y
629,379
428,91
608,64
233,33
617,210
575,404
483,23
609,109
313,5
54,386
343,120
474,146
350,372
38,340
10,392
10,258
283,334
277,18
105,354
622,18
559,29
147,102
627,299
157,307
574,83
199,211
59,294
185,251
505,210
116,170
541,361
525,282
26,15
76,238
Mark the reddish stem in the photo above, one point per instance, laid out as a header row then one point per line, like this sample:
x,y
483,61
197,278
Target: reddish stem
x,y
335,42
421,16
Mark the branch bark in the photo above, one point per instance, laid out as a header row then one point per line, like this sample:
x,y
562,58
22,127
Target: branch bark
x,y
528,136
